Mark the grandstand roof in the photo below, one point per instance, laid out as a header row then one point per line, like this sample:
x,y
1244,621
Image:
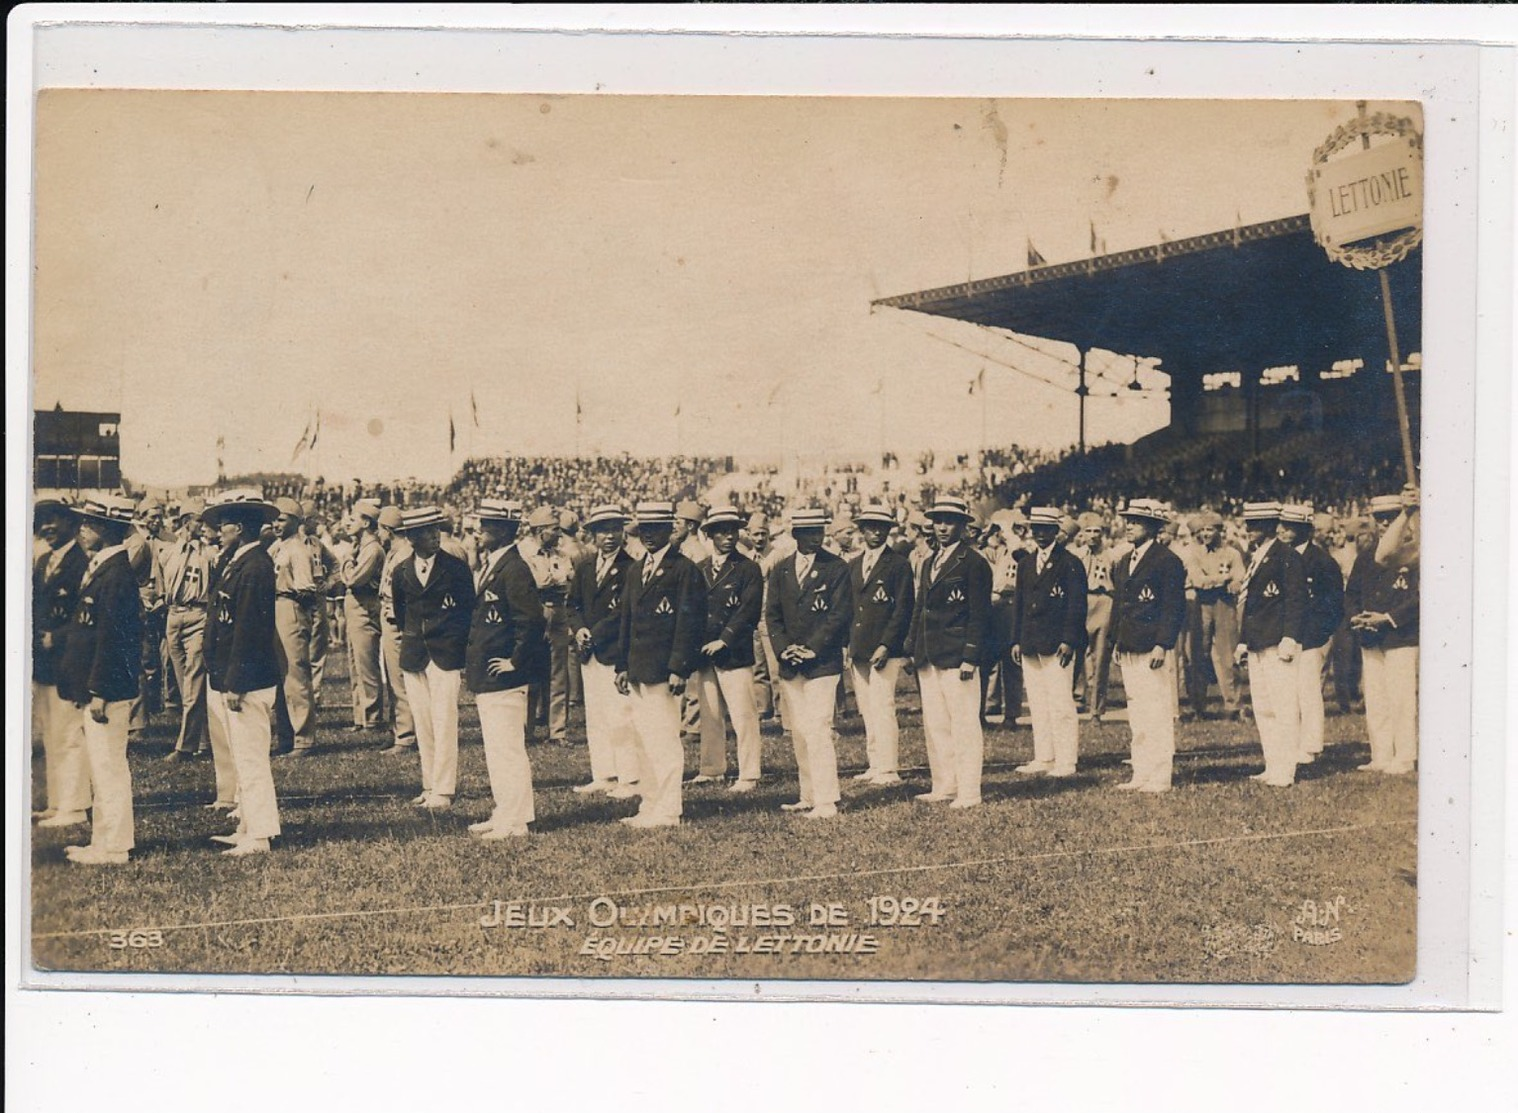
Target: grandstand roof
x,y
1262,295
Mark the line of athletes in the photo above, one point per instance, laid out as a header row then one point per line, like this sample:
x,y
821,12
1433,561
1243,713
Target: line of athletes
x,y
647,627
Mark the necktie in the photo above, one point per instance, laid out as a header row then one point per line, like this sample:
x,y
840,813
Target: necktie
x,y
648,569
868,564
603,564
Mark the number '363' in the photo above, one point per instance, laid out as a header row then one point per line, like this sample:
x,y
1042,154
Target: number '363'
x,y
123,940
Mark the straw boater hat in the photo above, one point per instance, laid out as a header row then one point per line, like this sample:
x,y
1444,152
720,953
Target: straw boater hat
x,y
1385,504
810,517
499,510
243,501
950,506
655,512
874,514
727,516
1148,510
606,516
421,517
1045,516
1297,513
1262,511
107,508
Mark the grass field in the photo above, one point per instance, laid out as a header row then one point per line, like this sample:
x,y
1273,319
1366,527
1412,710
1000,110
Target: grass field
x,y
1061,881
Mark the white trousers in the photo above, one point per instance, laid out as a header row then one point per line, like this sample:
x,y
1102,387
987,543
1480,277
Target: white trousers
x,y
661,757
111,823
608,725
65,759
221,754
1151,717
434,698
1273,693
735,689
248,734
1390,677
875,692
503,723
1310,698
809,706
1051,699
951,722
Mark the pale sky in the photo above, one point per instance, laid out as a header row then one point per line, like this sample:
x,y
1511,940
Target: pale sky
x,y
231,263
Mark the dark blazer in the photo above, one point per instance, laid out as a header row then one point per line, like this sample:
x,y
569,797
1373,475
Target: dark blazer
x,y
1392,591
1050,610
1275,599
508,621
952,623
1148,601
434,620
1325,597
241,649
53,600
882,605
817,614
734,602
598,607
662,622
102,650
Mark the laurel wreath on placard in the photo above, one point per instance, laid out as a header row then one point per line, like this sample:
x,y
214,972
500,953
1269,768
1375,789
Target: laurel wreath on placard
x,y
1380,252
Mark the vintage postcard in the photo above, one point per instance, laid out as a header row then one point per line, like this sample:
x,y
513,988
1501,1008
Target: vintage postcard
x,y
888,539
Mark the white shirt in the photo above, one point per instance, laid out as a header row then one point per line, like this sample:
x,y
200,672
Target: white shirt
x,y
651,563
719,562
424,568
604,563
943,558
869,560
493,560
803,566
56,558
1043,560
1138,554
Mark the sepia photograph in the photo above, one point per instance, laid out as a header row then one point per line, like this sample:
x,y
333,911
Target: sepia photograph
x,y
867,539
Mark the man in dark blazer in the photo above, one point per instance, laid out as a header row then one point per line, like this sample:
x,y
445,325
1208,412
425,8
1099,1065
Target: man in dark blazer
x,y
433,594
734,602
1382,602
507,652
1148,613
56,577
1048,634
1272,608
1324,613
244,663
659,646
809,610
595,624
98,669
881,582
950,634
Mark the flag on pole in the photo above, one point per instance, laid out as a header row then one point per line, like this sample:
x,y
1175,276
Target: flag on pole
x,y
474,408
302,444
1094,250
316,432
677,408
979,382
1034,258
452,433
579,410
